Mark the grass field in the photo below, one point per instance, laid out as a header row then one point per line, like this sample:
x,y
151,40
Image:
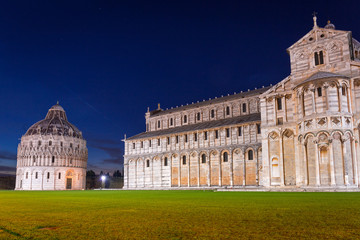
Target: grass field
x,y
178,215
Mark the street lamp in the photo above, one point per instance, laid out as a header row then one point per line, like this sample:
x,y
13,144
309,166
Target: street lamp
x,y
103,178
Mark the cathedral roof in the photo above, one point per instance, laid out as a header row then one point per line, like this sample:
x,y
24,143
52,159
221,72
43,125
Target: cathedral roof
x,y
255,117
55,123
212,101
323,75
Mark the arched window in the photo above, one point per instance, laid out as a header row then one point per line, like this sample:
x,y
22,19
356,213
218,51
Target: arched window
x,y
203,158
184,160
205,135
343,90
185,119
319,91
279,103
258,128
39,143
59,175
147,163
71,145
244,107
165,161
150,143
159,124
227,110
34,159
225,157
50,143
319,58
171,121
212,113
36,175
198,116
53,159
48,175
250,155
27,175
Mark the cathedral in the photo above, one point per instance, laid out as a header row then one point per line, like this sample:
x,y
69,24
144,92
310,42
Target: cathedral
x,y
52,155
302,132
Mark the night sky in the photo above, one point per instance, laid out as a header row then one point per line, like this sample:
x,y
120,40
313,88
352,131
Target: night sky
x,y
107,61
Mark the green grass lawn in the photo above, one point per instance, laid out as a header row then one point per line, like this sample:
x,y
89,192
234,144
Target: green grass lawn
x,y
178,215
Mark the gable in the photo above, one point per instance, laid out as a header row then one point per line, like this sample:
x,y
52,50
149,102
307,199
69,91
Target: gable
x,y
316,35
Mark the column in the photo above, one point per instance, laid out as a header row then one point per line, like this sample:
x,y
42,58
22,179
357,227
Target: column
x,y
220,169
257,166
326,86
179,172
281,163
317,166
305,165
231,169
55,180
340,98
170,171
244,169
354,157
313,99
209,171
274,106
346,176
198,172
332,165
161,170
188,175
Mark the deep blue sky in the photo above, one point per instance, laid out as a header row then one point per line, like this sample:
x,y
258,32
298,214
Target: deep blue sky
x,y
107,61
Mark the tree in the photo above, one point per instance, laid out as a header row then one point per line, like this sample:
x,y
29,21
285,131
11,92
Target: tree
x,y
90,173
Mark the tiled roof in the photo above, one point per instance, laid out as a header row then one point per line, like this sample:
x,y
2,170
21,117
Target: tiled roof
x,y
255,117
212,101
322,75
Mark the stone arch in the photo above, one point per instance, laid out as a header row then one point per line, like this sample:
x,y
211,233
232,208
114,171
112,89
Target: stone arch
x,y
349,164
214,159
131,173
184,169
193,167
148,166
225,167
204,168
175,170
140,172
274,150
288,149
69,179
275,169
156,171
311,158
238,166
250,166
324,164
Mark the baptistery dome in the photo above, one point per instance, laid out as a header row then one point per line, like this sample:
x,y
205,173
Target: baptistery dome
x,y
55,123
52,155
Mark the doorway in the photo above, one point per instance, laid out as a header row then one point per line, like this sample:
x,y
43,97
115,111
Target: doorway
x,y
68,183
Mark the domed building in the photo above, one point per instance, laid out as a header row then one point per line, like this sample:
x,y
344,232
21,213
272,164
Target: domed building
x,y
52,155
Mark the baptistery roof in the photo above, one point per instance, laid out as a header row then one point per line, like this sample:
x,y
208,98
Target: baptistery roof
x,y
55,123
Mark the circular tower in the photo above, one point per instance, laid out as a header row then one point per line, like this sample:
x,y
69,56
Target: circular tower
x,y
52,155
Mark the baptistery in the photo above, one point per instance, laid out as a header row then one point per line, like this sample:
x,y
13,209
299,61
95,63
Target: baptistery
x,y
52,155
